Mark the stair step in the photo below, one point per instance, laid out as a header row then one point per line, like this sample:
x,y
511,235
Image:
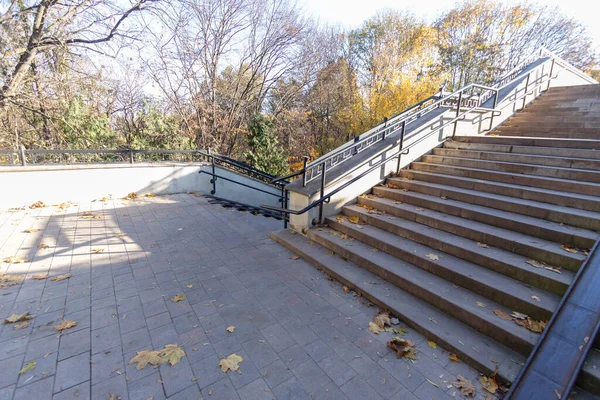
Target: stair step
x,y
566,215
540,151
581,188
528,246
571,174
528,130
534,118
589,376
578,201
521,158
558,134
499,288
492,257
456,301
469,345
529,141
544,229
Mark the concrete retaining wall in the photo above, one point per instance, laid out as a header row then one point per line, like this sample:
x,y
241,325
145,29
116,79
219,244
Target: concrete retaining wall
x,y
23,186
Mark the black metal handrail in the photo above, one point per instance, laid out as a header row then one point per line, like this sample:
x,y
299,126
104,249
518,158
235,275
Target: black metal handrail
x,y
325,198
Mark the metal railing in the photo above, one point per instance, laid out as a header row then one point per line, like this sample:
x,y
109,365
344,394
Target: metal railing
x,y
470,97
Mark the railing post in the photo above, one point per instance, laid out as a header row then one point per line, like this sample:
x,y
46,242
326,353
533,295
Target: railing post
x,y
550,75
131,160
527,88
304,162
214,175
494,108
402,130
22,155
385,121
285,205
322,192
457,113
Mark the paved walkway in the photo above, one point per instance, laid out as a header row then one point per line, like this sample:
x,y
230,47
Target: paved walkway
x,y
301,336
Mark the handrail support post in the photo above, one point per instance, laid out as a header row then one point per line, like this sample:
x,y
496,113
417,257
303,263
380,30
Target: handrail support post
x,y
22,155
304,162
322,192
457,112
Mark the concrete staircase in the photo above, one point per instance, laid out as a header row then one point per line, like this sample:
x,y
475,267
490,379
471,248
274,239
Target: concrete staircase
x,y
497,222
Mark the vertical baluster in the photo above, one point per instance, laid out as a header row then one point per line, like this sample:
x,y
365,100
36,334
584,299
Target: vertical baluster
x,y
457,112
304,161
402,130
322,192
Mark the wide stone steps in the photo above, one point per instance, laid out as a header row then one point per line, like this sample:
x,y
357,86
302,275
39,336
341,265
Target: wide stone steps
x,y
550,133
516,242
491,256
566,185
536,117
467,343
521,158
544,211
531,141
522,149
532,226
499,288
573,200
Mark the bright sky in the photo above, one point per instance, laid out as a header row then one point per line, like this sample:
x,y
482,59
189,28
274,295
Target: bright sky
x,y
351,13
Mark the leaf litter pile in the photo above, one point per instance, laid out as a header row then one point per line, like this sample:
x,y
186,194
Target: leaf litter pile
x,y
171,354
522,320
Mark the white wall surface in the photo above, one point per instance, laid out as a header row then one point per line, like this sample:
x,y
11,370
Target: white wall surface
x,y
22,186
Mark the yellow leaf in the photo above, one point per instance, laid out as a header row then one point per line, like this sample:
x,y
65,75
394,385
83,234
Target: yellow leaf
x,y
171,354
15,260
453,357
17,317
374,328
130,196
28,367
153,195
146,357
40,277
353,219
59,278
98,250
37,204
432,344
178,297
119,234
432,257
230,363
189,286
480,304
22,325
42,246
346,289
32,230
66,324
230,329
489,384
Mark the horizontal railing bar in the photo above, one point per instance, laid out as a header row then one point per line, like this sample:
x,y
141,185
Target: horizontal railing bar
x,y
240,183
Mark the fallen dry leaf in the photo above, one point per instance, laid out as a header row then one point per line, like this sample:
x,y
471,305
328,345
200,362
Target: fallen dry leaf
x,y
295,257
465,386
171,354
37,204
536,298
231,362
531,324
569,248
17,318
119,234
382,320
146,357
21,325
518,315
453,357
431,344
373,327
153,195
432,382
31,230
400,330
40,277
7,280
66,324
353,219
179,297
98,250
15,260
28,367
502,315
189,286
482,245
59,278
539,264
230,329
346,289
402,347
130,196
42,246
480,304
432,256
489,384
